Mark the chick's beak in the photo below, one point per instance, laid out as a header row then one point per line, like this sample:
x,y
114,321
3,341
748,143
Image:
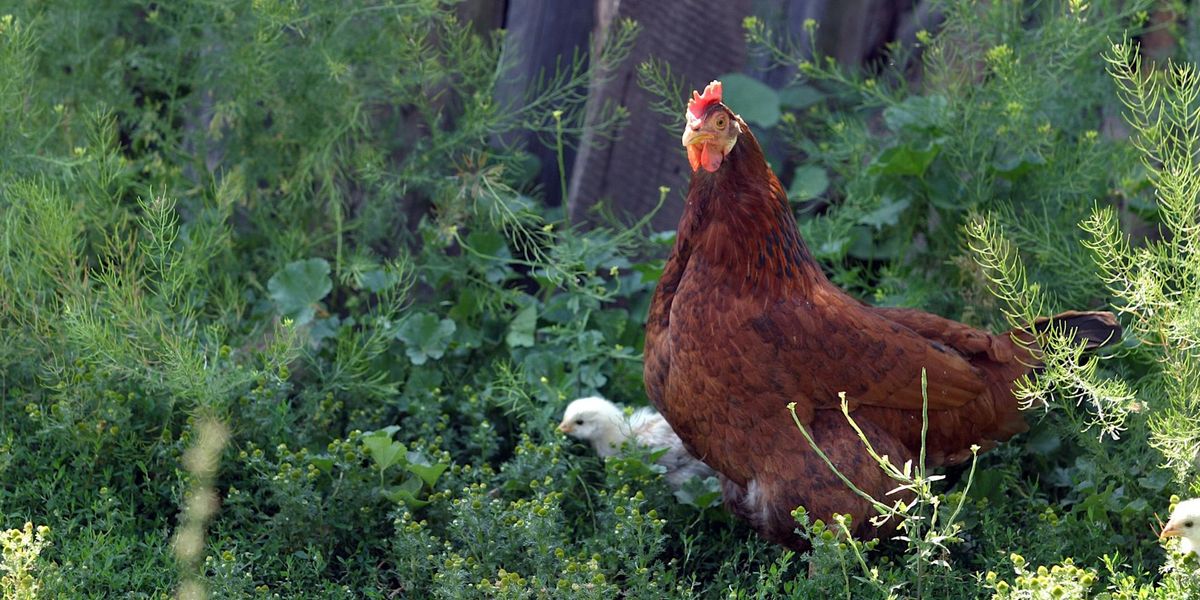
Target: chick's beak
x,y
564,427
1172,529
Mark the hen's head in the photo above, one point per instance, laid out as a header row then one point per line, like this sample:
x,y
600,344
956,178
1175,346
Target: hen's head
x,y
711,131
1185,523
597,421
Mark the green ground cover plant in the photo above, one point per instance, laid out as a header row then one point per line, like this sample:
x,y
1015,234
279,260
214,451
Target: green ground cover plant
x,y
284,317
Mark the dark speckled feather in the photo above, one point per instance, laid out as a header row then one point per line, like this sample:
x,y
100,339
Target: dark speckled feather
x,y
743,322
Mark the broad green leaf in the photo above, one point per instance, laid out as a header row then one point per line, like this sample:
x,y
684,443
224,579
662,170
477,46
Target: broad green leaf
x,y
591,375
798,96
383,449
425,336
1015,165
664,238
421,466
299,286
488,242
406,493
917,113
522,327
1043,440
377,280
905,160
1136,505
701,493
612,322
750,98
650,270
888,213
1156,481
864,245
808,181
987,484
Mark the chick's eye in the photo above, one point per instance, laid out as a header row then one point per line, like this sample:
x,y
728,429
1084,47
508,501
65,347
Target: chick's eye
x,y
579,421
1187,523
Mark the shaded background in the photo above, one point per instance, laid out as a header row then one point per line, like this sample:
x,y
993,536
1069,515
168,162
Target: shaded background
x,y
628,172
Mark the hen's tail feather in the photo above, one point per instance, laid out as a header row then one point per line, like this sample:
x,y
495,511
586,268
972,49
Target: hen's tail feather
x,y
1000,418
1096,328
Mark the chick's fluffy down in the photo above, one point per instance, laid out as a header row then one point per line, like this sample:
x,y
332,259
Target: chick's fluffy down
x,y
604,425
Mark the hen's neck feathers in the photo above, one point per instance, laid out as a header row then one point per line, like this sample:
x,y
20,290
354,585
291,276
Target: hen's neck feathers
x,y
738,220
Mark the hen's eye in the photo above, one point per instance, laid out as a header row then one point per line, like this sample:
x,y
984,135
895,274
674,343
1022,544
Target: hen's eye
x,y
579,421
720,122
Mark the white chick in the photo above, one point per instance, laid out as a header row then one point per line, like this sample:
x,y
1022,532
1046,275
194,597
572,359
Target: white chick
x,y
1185,524
603,424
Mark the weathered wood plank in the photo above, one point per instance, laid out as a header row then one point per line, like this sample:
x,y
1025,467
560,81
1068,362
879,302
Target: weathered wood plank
x,y
539,34
701,39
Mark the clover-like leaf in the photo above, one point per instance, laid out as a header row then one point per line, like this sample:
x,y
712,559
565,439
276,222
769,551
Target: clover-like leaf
x,y
425,336
377,280
298,286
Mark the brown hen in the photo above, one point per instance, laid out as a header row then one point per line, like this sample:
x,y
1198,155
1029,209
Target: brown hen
x,y
744,322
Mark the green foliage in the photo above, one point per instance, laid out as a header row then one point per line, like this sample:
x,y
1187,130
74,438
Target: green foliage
x,y
298,286
1005,120
291,219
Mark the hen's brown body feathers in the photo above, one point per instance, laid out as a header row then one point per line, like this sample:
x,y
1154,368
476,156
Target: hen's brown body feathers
x,y
744,322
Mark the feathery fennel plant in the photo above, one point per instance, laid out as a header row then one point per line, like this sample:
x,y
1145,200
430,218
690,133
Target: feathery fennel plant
x,y
1155,283
1067,371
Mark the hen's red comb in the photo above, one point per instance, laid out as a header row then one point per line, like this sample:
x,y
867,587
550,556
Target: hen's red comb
x,y
700,102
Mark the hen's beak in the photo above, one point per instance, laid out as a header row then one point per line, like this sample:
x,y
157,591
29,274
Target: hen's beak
x,y
1171,530
691,137
701,150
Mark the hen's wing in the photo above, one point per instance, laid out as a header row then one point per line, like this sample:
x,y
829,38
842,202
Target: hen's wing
x,y
960,336
837,344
